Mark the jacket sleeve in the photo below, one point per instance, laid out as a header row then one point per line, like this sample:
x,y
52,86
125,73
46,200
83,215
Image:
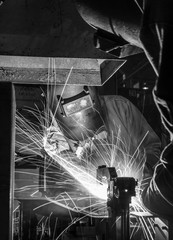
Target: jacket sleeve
x,y
156,37
158,195
134,127
144,134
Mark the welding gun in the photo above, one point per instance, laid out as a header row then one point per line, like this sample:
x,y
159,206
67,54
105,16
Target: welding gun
x,y
119,192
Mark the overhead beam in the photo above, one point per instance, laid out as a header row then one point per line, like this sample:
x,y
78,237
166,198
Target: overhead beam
x,y
43,70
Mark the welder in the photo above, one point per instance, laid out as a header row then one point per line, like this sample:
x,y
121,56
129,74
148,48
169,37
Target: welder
x,y
85,117
148,25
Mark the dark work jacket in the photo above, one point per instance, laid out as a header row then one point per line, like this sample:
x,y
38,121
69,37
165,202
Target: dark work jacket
x,y
156,37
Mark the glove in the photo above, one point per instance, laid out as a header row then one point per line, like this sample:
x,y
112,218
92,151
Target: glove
x,y
55,141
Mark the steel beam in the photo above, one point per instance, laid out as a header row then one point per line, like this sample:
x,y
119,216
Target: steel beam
x,y
43,70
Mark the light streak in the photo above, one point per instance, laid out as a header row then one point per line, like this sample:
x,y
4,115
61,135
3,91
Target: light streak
x,y
88,196
81,174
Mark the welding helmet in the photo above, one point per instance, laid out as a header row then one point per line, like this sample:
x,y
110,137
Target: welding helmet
x,y
77,110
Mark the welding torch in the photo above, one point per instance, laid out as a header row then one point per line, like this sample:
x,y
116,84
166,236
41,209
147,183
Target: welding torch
x,y
119,193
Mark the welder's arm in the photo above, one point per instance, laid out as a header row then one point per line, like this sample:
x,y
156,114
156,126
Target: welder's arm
x,y
141,133
156,37
158,195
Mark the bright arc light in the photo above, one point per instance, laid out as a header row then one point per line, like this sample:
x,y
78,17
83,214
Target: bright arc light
x,y
88,181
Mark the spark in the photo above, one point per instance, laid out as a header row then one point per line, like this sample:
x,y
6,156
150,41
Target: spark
x,y
81,174
84,172
145,219
72,176
89,196
34,193
16,209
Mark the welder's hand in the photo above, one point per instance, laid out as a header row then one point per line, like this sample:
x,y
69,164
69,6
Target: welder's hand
x,y
55,141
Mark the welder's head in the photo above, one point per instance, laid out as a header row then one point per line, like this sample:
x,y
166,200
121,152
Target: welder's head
x,y
77,110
